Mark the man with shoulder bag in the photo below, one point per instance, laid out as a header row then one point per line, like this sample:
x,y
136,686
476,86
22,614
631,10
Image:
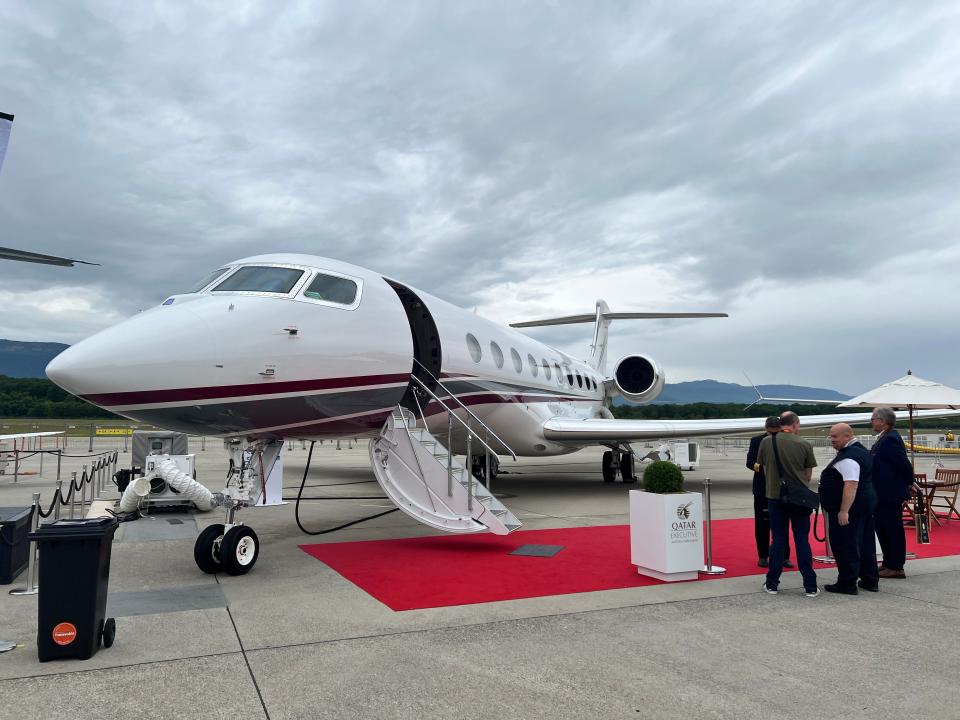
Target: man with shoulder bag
x,y
788,463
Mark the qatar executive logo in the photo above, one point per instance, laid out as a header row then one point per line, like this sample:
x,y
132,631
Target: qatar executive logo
x,y
683,529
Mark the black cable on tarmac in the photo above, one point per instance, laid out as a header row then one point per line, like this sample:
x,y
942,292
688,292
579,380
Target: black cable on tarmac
x,y
296,511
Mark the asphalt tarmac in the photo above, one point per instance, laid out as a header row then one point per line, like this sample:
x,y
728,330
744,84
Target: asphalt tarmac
x,y
294,639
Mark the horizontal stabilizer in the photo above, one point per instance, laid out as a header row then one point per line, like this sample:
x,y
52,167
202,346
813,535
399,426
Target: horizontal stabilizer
x,y
574,319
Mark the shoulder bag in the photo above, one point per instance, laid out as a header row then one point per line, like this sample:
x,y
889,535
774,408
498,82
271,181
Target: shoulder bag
x,y
792,490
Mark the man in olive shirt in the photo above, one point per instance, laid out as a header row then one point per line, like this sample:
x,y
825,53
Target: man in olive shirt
x,y
796,459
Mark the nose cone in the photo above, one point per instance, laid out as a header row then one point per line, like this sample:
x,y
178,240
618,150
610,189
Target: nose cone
x,y
157,348
62,369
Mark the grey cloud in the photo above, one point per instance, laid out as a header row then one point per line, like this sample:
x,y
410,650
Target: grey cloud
x,y
463,146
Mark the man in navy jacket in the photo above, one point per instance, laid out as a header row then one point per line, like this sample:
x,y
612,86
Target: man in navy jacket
x,y
761,519
892,479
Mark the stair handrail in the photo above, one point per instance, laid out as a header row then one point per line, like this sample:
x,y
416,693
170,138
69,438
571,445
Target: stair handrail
x,y
460,420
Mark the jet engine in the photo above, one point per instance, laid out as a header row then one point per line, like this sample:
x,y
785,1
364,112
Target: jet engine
x,y
637,378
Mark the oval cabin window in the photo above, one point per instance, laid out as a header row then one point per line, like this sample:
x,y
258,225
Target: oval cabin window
x,y
533,364
517,362
546,369
473,346
497,354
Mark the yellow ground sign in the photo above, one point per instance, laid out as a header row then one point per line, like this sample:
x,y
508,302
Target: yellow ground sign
x,y
114,431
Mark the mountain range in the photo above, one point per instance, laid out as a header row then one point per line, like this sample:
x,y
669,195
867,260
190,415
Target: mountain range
x,y
28,360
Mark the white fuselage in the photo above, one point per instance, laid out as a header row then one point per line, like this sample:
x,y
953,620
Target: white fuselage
x,y
292,364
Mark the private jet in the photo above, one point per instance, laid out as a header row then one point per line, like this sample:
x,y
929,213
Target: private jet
x,y
285,346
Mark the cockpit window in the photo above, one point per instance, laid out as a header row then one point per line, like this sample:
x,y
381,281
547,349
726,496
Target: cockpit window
x,y
261,279
207,280
332,289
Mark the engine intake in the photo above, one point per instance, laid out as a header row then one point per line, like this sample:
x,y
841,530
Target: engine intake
x,y
638,378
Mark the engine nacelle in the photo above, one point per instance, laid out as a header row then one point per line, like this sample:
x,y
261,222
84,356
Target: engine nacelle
x,y
637,378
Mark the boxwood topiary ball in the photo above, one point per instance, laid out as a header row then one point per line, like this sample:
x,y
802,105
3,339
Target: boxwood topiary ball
x,y
662,477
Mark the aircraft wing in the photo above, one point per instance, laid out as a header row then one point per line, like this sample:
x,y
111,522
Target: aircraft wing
x,y
600,430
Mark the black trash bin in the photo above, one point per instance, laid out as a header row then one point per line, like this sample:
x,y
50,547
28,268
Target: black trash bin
x,y
74,573
14,546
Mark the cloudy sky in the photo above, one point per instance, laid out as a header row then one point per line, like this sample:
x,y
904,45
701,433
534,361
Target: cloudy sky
x,y
796,165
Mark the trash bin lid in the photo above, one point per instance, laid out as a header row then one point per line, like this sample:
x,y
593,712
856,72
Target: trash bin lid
x,y
67,528
13,514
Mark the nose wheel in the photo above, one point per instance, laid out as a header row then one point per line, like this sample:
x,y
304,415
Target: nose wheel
x,y
233,551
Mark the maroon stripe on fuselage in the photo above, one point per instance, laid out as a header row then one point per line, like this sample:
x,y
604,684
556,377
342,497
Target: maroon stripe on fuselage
x,y
143,397
435,408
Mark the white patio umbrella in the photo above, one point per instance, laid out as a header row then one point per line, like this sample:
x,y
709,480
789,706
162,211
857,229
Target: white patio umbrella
x,y
908,393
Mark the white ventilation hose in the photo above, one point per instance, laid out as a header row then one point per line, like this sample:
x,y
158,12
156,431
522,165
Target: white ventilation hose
x,y
136,489
184,484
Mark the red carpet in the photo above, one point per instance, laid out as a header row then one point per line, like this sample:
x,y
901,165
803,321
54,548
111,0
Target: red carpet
x,y
426,572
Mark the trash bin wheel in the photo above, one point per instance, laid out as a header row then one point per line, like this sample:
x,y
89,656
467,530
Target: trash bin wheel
x,y
109,632
239,550
206,551
609,471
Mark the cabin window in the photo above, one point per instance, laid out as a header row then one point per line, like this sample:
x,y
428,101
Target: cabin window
x,y
261,279
332,289
533,365
546,369
569,375
497,354
579,379
517,362
207,280
556,368
473,346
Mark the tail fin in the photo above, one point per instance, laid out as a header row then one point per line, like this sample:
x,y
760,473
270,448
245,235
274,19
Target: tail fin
x,y
601,320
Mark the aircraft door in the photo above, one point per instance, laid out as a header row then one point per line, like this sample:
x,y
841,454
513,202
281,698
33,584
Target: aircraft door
x,y
426,345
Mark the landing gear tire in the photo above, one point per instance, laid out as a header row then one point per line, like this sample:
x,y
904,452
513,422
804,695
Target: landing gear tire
x,y
239,550
109,633
626,468
607,465
206,551
479,466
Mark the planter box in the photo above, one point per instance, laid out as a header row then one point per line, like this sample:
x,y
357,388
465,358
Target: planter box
x,y
666,534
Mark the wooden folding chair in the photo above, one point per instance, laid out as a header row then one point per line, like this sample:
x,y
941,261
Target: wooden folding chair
x,y
944,495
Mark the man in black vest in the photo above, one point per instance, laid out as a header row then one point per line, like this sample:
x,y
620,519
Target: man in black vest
x,y
761,516
849,500
892,478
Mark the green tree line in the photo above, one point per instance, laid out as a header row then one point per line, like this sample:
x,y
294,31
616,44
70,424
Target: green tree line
x,y
40,398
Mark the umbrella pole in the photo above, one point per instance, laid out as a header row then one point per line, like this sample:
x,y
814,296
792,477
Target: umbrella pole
x,y
913,460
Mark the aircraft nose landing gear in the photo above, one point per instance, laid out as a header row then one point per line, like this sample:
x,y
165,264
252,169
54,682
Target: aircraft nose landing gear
x,y
230,546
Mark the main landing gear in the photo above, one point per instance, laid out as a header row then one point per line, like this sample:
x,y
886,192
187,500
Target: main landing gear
x,y
230,546
618,461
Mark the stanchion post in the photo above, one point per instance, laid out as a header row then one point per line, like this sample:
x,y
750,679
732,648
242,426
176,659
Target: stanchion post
x,y
31,588
73,494
709,568
90,445
59,460
16,463
827,557
59,498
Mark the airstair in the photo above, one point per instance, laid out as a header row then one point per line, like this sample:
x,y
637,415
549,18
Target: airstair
x,y
425,480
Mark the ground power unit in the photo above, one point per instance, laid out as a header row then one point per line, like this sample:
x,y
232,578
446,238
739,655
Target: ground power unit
x,y
685,455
